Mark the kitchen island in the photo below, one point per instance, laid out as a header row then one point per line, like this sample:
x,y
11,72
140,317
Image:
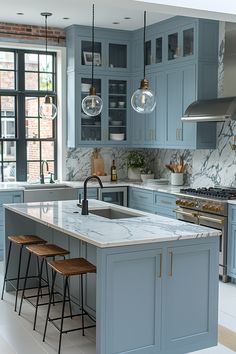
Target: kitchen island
x,y
156,287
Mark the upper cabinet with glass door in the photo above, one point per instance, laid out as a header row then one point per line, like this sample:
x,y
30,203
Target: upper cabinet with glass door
x,y
111,49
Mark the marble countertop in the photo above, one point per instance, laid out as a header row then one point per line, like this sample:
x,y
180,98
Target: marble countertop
x,y
14,186
102,232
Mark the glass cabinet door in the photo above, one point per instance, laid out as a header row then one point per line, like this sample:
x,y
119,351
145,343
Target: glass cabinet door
x,y
86,53
117,108
117,55
159,50
90,126
148,53
173,46
188,42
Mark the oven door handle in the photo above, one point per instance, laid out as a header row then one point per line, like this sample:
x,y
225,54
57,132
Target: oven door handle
x,y
193,215
207,218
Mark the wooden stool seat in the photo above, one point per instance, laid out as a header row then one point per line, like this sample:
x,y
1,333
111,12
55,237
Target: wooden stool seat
x,y
48,250
26,239
73,266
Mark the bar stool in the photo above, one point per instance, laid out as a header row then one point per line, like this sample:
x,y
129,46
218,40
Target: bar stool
x,y
43,252
67,268
22,241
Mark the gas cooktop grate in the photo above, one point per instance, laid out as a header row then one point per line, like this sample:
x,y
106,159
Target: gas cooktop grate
x,y
212,192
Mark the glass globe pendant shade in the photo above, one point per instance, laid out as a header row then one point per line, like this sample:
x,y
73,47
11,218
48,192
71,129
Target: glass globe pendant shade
x,y
92,104
48,110
143,100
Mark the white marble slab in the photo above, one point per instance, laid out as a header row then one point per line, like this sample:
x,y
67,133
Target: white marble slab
x,y
102,232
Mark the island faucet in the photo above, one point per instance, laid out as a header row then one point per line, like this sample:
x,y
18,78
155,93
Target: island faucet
x,y
84,210
42,174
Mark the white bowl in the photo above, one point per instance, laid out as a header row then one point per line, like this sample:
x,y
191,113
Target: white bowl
x,y
116,123
145,177
117,137
121,104
85,87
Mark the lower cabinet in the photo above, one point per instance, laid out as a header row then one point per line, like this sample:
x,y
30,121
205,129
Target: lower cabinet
x,y
165,297
7,198
141,199
164,204
92,193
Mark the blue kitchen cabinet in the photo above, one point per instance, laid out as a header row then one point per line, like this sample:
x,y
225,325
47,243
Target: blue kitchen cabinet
x,y
7,198
231,250
165,204
189,294
141,199
92,193
179,314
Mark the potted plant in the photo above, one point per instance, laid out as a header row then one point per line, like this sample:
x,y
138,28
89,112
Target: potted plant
x,y
135,162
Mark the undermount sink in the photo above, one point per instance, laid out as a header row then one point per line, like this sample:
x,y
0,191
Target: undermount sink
x,y
111,213
46,186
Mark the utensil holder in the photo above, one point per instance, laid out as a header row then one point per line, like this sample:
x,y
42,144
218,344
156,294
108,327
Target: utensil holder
x,y
177,179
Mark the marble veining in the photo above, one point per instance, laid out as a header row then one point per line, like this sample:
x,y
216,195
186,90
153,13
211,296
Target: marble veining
x,y
102,232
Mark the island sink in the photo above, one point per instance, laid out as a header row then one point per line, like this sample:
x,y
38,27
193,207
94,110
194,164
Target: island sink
x,y
111,213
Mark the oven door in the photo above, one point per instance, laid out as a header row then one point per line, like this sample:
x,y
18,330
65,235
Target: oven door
x,y
186,215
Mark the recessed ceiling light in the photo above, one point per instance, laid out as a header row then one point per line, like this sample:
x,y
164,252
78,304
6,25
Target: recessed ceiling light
x,y
20,13
127,18
116,23
66,18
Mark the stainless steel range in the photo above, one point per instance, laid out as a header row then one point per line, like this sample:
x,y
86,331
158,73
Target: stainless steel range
x,y
208,207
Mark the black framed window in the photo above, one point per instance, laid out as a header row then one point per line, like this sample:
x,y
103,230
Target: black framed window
x,y
25,138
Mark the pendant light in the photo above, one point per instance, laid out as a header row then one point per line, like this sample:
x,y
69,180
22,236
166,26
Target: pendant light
x,y
48,110
92,104
143,100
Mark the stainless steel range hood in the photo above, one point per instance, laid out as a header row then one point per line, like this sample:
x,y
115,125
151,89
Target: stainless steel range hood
x,y
214,110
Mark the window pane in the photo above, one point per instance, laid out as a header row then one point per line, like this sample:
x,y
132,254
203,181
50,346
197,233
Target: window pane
x,y
31,128
33,150
7,106
9,151
31,62
45,82
9,171
7,60
45,63
7,80
31,107
31,81
33,171
8,128
47,150
46,128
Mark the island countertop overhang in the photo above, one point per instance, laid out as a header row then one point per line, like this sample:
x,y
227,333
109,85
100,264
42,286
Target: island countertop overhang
x,y
66,217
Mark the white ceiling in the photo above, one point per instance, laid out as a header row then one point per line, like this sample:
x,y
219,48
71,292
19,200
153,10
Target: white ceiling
x,y
109,11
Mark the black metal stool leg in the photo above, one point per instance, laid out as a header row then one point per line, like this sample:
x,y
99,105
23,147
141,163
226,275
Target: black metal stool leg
x,y
49,304
6,270
38,294
46,266
62,314
68,292
25,280
18,276
82,302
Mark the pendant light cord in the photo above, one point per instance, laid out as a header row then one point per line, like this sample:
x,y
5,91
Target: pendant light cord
x,y
46,45
144,45
93,46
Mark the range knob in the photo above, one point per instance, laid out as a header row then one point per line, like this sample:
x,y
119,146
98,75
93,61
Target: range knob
x,y
178,202
206,206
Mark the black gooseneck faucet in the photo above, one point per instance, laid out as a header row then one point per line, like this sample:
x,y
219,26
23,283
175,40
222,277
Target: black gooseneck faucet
x,y
84,210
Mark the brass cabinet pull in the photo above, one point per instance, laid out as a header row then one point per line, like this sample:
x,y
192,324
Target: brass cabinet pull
x,y
160,271
171,264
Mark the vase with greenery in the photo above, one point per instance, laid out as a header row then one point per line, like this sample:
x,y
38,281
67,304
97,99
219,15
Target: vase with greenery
x,y
135,162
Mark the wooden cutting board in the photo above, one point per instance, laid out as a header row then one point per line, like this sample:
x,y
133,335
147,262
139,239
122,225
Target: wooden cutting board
x,y
97,164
